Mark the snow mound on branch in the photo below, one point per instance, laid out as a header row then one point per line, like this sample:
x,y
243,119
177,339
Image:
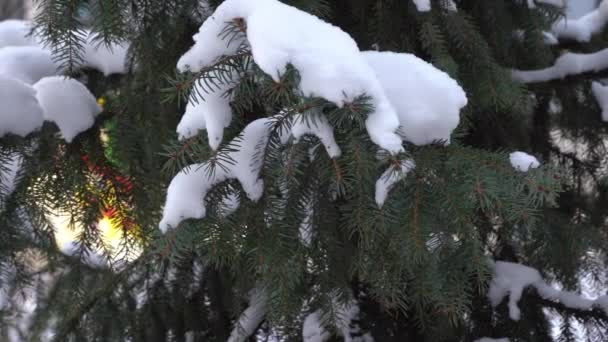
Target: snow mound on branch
x,y
109,59
251,318
27,63
187,190
522,161
316,124
511,279
566,65
389,178
328,60
583,28
313,330
68,103
16,33
211,112
423,5
20,113
427,100
600,92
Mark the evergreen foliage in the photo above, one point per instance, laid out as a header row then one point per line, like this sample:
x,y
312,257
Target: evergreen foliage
x,y
418,266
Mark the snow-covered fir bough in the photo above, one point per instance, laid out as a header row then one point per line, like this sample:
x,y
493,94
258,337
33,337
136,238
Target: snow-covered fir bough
x,y
313,170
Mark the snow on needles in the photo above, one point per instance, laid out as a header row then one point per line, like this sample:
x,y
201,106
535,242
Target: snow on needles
x,y
583,28
522,161
389,178
68,103
187,190
511,279
328,60
251,318
566,65
211,112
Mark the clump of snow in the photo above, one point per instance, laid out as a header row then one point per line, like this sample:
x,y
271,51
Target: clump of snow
x,y
109,59
511,279
390,177
423,5
68,103
316,124
328,60
489,339
566,65
522,161
414,86
600,92
16,33
583,28
27,63
250,318
313,330
186,193
211,112
20,112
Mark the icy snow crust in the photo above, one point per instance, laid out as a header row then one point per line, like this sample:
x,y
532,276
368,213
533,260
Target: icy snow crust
x,y
511,279
403,89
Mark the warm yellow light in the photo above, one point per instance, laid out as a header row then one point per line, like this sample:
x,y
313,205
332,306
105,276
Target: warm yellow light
x,y
111,235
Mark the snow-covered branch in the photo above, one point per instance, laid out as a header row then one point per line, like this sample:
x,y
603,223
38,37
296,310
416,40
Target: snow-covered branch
x,y
511,279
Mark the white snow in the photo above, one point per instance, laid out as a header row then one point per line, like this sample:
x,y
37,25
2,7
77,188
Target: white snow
x,y
427,100
328,60
16,33
211,112
68,103
583,28
522,161
566,65
20,112
511,279
389,178
250,318
489,339
600,92
313,330
27,63
186,193
316,124
109,59
423,5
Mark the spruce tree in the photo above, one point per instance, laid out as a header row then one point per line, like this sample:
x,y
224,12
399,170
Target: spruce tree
x,y
243,171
